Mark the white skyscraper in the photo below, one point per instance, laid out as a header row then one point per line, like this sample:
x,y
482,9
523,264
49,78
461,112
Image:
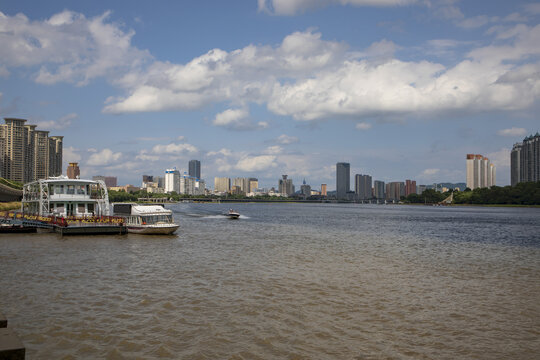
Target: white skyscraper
x,y
480,172
172,180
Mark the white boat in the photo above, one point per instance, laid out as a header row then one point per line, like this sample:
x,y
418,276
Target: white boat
x,y
146,219
231,214
64,197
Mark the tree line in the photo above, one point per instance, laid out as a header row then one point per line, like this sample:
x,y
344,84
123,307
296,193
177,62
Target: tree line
x,y
526,193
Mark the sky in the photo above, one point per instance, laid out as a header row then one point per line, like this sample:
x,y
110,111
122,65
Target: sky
x,y
400,89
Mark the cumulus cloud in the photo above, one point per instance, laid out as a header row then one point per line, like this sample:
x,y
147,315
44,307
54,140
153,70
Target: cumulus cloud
x,y
292,7
285,139
62,123
256,163
174,149
103,158
310,79
500,158
71,154
68,47
513,131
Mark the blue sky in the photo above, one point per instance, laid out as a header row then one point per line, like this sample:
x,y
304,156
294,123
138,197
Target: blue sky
x,y
400,89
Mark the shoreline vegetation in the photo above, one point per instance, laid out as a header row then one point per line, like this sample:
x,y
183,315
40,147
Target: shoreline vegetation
x,y
522,195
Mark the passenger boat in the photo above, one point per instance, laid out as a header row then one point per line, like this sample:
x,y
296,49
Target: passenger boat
x,y
67,206
231,214
146,219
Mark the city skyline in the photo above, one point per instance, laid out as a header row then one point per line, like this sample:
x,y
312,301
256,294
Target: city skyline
x,y
398,91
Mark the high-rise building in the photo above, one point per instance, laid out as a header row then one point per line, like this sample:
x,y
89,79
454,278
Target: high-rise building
x,y
343,180
285,186
243,184
305,189
480,172
190,185
395,190
525,160
378,189
28,154
410,187
222,184
323,190
195,168
110,181
253,184
362,187
172,180
73,171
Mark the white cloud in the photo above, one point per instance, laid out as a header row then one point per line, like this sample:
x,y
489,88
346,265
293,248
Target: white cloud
x,y
103,158
174,149
68,47
285,139
273,150
233,119
292,7
222,152
71,154
256,163
430,172
513,131
501,158
363,126
62,123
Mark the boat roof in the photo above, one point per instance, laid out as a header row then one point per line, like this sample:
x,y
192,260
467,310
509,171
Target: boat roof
x,y
65,180
146,209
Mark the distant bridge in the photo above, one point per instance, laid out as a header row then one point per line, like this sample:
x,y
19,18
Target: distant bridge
x,y
10,194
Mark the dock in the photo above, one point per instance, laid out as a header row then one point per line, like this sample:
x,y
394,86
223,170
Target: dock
x,y
11,347
16,222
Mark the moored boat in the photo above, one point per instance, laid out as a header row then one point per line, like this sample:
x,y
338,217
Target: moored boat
x,y
146,219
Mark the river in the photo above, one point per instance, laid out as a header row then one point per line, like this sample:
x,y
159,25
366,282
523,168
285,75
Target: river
x,y
286,281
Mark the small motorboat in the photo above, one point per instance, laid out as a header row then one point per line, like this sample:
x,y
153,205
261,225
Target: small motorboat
x,y
231,214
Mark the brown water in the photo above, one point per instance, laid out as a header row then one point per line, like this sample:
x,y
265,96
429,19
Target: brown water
x,y
285,281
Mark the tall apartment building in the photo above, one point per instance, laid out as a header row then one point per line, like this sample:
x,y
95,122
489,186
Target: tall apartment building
x,y
378,190
110,181
195,169
73,171
343,180
480,172
362,187
323,190
253,184
410,187
172,180
395,190
222,184
285,186
27,154
525,160
191,185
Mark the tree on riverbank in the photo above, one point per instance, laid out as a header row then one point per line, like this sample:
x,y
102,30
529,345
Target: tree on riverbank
x,y
527,193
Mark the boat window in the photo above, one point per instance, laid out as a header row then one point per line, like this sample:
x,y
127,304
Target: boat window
x,y
80,209
80,190
90,208
155,219
59,189
70,189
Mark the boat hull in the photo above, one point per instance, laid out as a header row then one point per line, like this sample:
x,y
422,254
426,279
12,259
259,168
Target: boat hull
x,y
153,230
